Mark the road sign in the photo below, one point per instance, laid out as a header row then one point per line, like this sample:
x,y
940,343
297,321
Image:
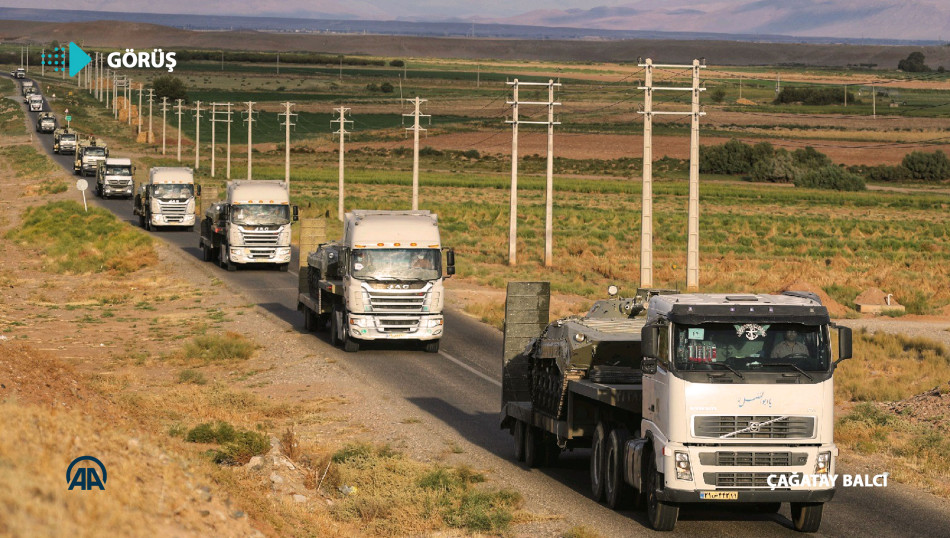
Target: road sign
x,y
69,118
82,184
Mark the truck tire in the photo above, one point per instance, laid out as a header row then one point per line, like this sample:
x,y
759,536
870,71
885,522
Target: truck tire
x,y
350,344
309,319
334,328
432,346
533,447
806,517
519,436
223,258
597,446
206,254
142,221
616,490
284,267
661,516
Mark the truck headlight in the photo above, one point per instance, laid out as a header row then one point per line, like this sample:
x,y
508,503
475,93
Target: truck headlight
x,y
434,322
359,322
284,237
683,471
823,465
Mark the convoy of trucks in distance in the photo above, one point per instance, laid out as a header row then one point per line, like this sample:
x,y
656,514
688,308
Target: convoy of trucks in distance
x,y
114,177
383,280
64,141
19,73
26,88
45,122
167,198
682,398
251,225
88,154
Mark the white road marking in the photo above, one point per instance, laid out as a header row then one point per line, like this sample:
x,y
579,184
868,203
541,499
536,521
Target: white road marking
x,y
469,368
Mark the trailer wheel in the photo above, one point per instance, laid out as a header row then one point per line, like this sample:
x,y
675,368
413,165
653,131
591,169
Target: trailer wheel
x,y
335,327
205,252
309,319
533,447
598,443
615,489
806,517
322,320
519,436
662,516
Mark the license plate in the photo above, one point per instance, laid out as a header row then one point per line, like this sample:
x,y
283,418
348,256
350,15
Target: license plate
x,y
719,495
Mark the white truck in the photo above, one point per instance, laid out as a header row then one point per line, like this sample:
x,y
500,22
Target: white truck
x,y
21,73
36,103
252,225
383,280
114,177
167,198
683,399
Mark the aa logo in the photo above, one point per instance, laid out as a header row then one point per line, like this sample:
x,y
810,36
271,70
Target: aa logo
x,y
86,477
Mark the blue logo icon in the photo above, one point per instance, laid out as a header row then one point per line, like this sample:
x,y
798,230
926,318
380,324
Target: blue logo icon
x,y
86,477
77,59
57,60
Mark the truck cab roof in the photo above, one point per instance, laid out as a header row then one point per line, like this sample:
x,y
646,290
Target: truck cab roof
x,y
696,308
258,192
391,229
171,174
117,161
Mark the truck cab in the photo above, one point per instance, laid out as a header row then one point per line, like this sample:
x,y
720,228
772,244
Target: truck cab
x,y
36,102
19,73
114,177
46,123
251,226
88,155
65,141
167,198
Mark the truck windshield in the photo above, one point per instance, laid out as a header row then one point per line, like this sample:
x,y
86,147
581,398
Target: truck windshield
x,y
67,138
118,171
260,214
397,264
173,191
779,347
95,151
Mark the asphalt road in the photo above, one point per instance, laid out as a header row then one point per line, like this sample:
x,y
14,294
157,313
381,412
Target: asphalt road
x,y
461,387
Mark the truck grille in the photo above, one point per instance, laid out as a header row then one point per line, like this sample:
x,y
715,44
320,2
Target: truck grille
x,y
118,182
174,211
397,324
753,459
260,238
754,427
742,480
397,300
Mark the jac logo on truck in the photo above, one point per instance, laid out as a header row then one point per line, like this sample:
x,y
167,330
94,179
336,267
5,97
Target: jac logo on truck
x,y
398,287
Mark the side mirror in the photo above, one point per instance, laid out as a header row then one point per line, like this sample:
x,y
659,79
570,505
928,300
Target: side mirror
x,y
450,262
648,365
296,213
844,344
197,190
648,342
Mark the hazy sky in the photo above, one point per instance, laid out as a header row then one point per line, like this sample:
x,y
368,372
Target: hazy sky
x,y
386,9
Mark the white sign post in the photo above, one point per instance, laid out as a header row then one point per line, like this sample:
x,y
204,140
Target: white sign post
x,y
82,185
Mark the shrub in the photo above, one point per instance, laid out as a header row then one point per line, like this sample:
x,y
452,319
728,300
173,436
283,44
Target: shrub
x,y
220,433
718,95
927,166
881,173
210,348
386,87
831,177
812,96
733,157
779,169
397,63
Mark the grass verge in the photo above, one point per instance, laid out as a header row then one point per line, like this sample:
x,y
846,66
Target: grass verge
x,y
76,241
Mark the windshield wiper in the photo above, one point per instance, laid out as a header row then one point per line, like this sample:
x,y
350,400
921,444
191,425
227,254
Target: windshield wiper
x,y
730,368
790,365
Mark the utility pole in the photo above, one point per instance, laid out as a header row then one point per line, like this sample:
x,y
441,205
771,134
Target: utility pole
x,y
180,110
43,62
873,102
513,210
288,123
478,75
549,187
197,132
846,96
151,137
278,63
164,122
250,122
342,132
138,114
692,253
740,86
228,170
106,89
128,101
415,149
213,129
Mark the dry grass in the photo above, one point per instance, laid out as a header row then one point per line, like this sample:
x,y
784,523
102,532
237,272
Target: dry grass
x,y
890,367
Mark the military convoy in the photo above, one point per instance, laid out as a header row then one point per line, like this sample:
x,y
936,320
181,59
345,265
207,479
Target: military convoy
x,y
88,154
167,198
114,177
64,141
682,398
382,281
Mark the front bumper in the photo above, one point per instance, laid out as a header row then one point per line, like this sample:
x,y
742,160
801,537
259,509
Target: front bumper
x,y
749,496
115,190
260,254
396,327
163,220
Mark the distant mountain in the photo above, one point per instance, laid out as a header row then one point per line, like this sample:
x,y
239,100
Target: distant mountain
x,y
912,20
